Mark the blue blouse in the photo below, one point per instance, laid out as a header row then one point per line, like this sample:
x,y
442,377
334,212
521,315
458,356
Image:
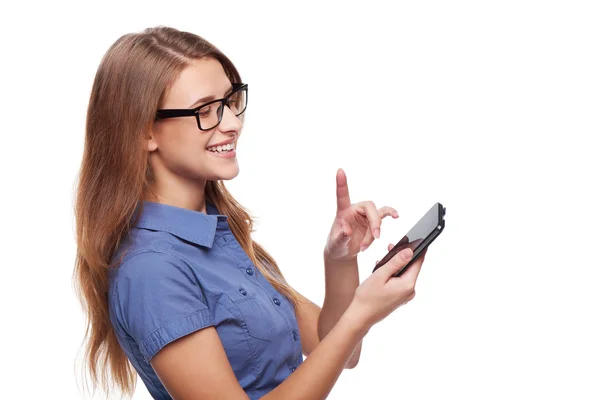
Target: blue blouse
x,y
183,270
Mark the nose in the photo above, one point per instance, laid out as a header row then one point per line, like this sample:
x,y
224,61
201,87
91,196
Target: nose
x,y
229,122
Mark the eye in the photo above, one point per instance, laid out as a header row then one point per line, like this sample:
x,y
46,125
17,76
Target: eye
x,y
205,111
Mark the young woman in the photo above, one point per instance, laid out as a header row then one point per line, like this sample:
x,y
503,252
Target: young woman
x,y
173,285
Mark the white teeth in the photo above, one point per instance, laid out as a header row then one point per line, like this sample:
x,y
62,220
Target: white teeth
x,y
222,148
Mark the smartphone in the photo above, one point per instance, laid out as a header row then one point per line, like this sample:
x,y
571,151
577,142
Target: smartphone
x,y
419,237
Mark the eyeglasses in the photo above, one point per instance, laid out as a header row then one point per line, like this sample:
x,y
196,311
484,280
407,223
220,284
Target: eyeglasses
x,y
209,115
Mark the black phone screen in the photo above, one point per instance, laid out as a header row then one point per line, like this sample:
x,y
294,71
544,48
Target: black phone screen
x,y
420,236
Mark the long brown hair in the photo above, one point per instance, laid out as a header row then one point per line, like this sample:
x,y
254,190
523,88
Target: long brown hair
x,y
129,85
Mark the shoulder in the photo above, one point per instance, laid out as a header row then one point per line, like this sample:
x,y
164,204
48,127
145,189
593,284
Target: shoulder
x,y
139,245
155,297
150,264
146,276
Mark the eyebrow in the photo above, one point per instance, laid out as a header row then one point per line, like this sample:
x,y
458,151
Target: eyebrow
x,y
209,98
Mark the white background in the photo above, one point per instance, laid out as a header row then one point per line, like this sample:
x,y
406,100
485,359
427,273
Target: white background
x,y
490,108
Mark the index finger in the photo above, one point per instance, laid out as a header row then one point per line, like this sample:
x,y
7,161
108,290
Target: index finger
x,y
343,195
368,209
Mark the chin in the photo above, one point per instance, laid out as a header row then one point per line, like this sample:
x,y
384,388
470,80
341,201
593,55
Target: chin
x,y
228,177
225,175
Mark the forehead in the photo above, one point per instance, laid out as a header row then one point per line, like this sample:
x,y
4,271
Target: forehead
x,y
203,77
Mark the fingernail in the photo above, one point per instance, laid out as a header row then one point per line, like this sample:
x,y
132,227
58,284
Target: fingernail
x,y
376,233
363,247
395,215
407,254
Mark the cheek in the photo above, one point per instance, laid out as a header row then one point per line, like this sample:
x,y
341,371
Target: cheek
x,y
182,132
183,149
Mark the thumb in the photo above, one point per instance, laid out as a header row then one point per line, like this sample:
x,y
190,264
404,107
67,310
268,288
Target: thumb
x,y
345,232
340,239
395,264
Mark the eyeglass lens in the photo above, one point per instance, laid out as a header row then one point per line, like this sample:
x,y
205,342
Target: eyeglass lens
x,y
210,115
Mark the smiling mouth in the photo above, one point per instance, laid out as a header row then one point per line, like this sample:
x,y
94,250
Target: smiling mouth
x,y
222,149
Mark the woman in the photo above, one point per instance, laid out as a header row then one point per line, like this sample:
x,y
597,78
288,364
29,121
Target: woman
x,y
174,287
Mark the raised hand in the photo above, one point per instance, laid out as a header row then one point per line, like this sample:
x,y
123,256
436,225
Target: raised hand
x,y
355,225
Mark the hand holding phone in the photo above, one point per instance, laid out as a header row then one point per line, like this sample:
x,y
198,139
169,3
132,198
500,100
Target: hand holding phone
x,y
378,295
419,237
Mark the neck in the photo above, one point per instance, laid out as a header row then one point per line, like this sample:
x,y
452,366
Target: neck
x,y
168,188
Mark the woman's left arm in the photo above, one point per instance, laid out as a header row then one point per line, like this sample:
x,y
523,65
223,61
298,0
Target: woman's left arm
x,y
341,281
354,229
314,323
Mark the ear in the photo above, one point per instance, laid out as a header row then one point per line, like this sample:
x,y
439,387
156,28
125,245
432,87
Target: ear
x,y
151,144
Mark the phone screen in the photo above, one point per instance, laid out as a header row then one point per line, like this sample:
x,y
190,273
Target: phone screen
x,y
426,225
420,235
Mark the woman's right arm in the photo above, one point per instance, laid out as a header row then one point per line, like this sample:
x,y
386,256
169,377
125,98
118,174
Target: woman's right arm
x,y
186,376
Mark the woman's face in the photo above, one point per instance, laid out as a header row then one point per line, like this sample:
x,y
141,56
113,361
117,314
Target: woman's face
x,y
178,148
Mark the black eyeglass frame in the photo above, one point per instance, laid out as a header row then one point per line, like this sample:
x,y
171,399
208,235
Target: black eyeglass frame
x,y
195,112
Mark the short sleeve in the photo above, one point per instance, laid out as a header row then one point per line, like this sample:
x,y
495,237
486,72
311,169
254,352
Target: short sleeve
x,y
160,300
